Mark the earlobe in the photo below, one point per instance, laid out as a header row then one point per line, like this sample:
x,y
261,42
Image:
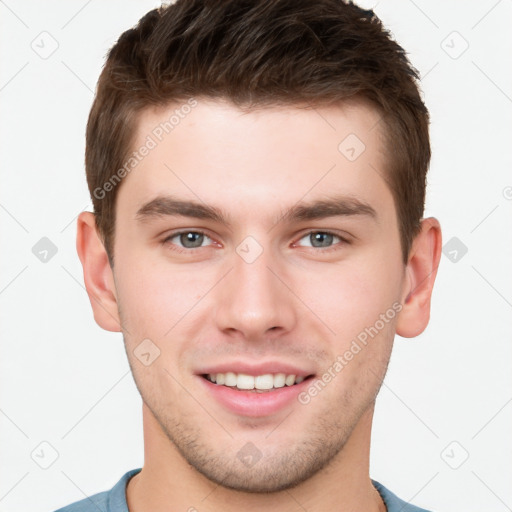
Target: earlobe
x,y
421,272
98,277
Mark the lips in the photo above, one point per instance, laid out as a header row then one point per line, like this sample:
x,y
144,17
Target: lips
x,y
255,390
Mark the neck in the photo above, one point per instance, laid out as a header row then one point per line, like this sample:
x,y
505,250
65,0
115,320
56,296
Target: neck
x,y
167,482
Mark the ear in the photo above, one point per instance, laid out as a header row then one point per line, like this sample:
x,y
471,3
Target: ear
x,y
98,276
421,271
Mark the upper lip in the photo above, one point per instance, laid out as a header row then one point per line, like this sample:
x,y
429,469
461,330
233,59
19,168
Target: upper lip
x,y
253,369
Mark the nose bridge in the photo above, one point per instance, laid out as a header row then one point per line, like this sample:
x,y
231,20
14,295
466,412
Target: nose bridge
x,y
254,300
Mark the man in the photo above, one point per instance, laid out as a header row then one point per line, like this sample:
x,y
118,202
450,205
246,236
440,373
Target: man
x,y
257,170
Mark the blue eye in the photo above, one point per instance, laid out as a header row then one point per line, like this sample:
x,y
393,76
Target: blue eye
x,y
321,239
188,239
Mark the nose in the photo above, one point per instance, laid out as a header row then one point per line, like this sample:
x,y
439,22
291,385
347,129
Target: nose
x,y
254,300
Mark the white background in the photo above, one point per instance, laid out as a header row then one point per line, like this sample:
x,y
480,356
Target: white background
x,y
66,382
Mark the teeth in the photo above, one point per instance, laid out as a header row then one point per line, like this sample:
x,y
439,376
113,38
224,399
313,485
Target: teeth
x,y
230,379
290,380
264,381
260,382
245,381
279,380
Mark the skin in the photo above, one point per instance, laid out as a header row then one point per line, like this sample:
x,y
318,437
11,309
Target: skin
x,y
296,303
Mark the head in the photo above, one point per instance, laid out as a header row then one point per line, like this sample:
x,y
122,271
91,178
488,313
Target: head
x,y
297,130
313,53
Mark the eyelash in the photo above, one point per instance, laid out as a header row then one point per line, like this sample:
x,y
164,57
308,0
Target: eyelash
x,y
178,249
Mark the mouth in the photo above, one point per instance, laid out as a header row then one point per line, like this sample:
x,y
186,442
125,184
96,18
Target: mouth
x,y
255,383
255,396
255,389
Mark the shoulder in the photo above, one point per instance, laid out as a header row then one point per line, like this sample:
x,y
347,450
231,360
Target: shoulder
x,y
96,503
393,502
106,501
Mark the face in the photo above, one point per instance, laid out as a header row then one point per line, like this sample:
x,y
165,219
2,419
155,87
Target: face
x,y
258,249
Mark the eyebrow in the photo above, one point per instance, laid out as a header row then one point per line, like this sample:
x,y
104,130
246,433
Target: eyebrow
x,y
337,206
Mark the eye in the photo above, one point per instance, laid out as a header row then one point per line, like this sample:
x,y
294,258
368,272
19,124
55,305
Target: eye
x,y
322,239
187,239
183,240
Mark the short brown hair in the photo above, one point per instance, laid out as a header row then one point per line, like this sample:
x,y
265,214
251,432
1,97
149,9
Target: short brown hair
x,y
259,53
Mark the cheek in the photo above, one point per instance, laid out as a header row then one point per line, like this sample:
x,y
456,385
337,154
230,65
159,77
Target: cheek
x,y
155,297
352,297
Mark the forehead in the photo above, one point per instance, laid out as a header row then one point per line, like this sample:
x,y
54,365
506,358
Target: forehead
x,y
215,153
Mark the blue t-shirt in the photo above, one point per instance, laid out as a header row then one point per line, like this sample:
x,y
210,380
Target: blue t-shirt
x,y
115,499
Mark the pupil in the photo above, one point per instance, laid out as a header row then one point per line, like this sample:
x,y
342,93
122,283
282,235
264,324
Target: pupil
x,y
195,239
324,239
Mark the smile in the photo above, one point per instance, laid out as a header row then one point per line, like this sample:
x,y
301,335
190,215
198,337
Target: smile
x,y
257,383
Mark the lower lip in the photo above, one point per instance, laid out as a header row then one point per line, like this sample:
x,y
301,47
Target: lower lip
x,y
253,404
